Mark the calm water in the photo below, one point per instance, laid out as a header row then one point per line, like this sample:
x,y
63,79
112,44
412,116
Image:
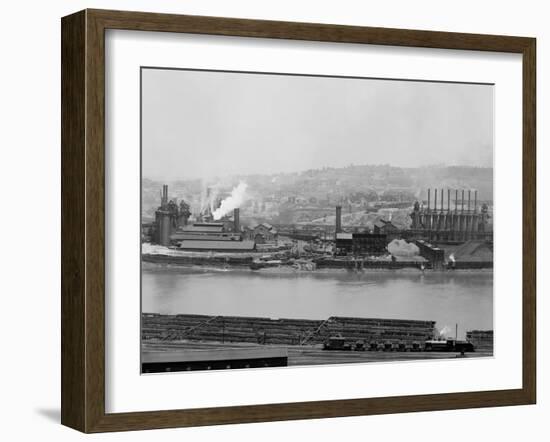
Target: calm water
x,y
448,298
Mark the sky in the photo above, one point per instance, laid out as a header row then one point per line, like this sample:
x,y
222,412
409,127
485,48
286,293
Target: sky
x,y
206,124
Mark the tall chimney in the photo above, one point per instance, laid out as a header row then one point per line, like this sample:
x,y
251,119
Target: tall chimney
x,y
475,201
164,200
428,199
338,219
469,198
435,199
456,200
442,200
236,220
462,208
448,200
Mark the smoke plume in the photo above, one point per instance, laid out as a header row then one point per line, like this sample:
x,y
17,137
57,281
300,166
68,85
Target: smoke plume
x,y
444,332
236,199
400,247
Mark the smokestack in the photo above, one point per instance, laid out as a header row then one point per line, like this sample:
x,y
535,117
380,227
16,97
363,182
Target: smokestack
x,y
164,199
462,206
475,201
338,219
456,200
428,199
435,199
469,198
442,200
448,200
236,220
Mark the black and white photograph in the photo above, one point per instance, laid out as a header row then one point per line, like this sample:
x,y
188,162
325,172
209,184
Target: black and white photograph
x,y
304,220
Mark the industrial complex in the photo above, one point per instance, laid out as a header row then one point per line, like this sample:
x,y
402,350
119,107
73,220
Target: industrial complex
x,y
453,235
443,234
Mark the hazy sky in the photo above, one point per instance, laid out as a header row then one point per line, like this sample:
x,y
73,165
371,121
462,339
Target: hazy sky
x,y
203,124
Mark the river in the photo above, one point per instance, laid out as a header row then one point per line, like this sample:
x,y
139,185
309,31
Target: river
x,y
449,298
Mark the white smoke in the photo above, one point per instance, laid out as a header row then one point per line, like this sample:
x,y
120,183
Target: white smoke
x,y
444,332
236,199
400,247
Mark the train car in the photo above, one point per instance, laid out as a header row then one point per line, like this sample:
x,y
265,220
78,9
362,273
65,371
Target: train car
x,y
337,343
448,345
433,345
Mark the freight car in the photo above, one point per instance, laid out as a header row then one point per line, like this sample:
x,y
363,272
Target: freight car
x,y
448,345
337,343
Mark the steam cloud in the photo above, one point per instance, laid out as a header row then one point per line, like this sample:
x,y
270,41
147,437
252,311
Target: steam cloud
x,y
236,199
444,332
400,247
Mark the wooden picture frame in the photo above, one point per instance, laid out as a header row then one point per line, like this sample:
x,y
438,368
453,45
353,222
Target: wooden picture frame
x,y
83,220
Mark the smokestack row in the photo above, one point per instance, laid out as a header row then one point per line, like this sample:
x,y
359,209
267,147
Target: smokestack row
x,y
457,223
462,201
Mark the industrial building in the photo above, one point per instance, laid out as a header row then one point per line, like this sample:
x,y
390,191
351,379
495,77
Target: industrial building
x,y
213,236
358,243
218,245
434,254
456,224
204,232
361,244
263,233
168,218
171,228
387,228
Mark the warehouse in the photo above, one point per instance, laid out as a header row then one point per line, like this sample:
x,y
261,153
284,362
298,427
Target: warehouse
x,y
218,246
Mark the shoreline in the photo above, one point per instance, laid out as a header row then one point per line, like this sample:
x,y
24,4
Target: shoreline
x,y
289,270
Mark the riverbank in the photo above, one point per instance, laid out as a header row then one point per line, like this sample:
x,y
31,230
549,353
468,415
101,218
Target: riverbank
x,y
324,264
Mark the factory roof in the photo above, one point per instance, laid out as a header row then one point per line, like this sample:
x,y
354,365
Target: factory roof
x,y
266,226
342,235
217,245
205,236
382,223
203,228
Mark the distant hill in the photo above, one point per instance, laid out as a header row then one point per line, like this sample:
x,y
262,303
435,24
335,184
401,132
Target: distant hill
x,y
354,185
